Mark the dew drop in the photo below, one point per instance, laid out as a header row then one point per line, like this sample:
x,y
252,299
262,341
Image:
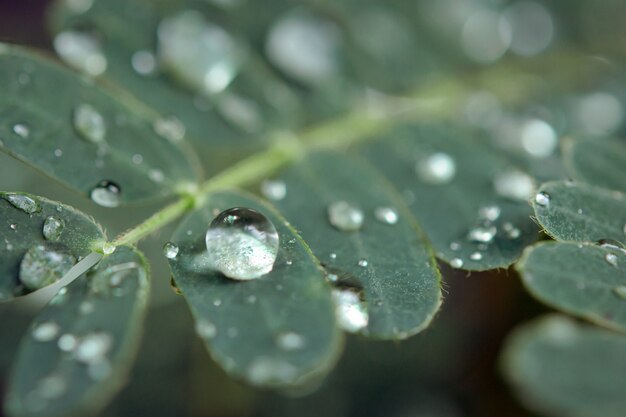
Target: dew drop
x,y
274,189
436,169
290,341
351,313
44,264
13,226
156,175
242,244
514,184
52,228
362,263
476,256
143,62
21,130
611,259
542,199
106,194
511,231
345,216
23,202
489,213
137,159
170,128
205,329
108,248
455,246
387,215
456,263
67,342
81,51
93,347
483,234
89,124
46,331
170,250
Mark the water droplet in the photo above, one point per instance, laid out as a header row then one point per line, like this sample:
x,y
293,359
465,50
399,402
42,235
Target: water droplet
x,y
199,54
58,153
351,313
542,199
93,347
170,250
489,213
387,215
89,123
44,264
23,202
13,226
86,308
362,263
620,291
333,256
106,194
266,371
21,130
436,169
345,217
304,46
612,244
156,175
483,234
514,184
217,302
81,51
611,259
52,228
455,246
476,256
511,231
170,128
274,189
242,244
137,159
143,62
290,341
205,329
67,342
46,331
108,248
538,138
456,263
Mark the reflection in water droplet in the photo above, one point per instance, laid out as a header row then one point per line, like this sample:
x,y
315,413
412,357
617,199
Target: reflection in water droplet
x,y
106,194
23,202
89,123
290,341
170,250
199,54
21,130
542,199
274,189
93,347
345,216
514,184
143,62
304,47
170,128
611,259
205,329
45,331
351,312
242,244
438,168
52,228
387,215
81,51
44,264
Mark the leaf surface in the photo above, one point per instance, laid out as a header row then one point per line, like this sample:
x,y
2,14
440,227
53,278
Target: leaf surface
x,y
600,162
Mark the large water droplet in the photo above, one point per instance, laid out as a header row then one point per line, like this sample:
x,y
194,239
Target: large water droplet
x,y
93,347
81,51
198,53
242,244
351,312
304,47
542,199
106,194
44,264
46,331
52,228
170,250
274,189
514,184
387,215
345,216
23,202
22,130
89,123
436,169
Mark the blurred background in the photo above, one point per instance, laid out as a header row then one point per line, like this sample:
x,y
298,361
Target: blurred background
x,y
451,369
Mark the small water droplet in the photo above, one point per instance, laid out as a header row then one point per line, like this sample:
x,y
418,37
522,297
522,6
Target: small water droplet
x,y
387,215
106,194
86,308
483,234
13,226
108,248
46,331
217,302
44,264
274,189
620,291
170,128
170,250
89,123
351,313
242,244
137,159
436,169
542,199
93,347
362,263
21,130
81,51
52,228
514,184
251,299
456,263
156,175
333,256
23,202
58,153
290,341
511,231
476,256
205,329
143,62
345,216
611,259
67,342
489,213
455,246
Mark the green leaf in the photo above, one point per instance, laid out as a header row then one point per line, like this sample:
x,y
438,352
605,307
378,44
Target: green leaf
x,y
586,280
110,142
243,322
563,369
578,212
599,162
401,280
41,240
79,351
449,210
